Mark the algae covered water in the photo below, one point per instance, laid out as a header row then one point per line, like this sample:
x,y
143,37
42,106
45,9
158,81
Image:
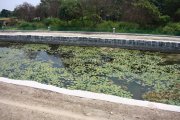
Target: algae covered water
x,y
127,73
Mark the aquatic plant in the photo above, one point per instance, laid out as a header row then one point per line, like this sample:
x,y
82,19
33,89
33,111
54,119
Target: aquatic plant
x,y
94,69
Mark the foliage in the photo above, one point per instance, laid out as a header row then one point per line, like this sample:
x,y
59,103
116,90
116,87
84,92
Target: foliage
x,y
30,25
137,16
5,13
69,10
26,25
128,26
25,11
172,28
147,11
108,25
163,20
52,22
167,7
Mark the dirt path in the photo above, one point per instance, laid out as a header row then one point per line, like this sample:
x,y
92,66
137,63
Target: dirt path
x,y
47,110
25,103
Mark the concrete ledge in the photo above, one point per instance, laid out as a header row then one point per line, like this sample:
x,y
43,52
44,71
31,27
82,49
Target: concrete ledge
x,y
129,41
89,32
91,95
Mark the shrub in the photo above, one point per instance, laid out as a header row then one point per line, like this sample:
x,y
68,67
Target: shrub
x,y
108,25
93,20
88,22
39,25
163,20
128,26
76,23
172,28
52,22
26,25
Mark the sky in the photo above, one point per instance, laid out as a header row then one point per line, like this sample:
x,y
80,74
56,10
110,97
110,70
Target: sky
x,y
11,4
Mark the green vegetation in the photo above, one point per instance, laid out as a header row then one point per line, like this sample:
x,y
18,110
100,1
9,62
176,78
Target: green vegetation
x,y
94,69
172,28
132,16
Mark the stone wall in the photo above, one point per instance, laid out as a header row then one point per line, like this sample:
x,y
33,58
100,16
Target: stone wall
x,y
153,45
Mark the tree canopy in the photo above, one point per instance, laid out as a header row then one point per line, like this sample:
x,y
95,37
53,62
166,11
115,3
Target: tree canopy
x,y
143,13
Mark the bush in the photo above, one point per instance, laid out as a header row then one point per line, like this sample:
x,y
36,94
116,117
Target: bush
x,y
30,25
39,25
26,25
88,22
52,22
172,28
93,20
76,23
120,26
126,26
108,25
163,20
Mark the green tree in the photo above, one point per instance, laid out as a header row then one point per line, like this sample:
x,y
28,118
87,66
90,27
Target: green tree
x,y
5,13
171,7
167,7
49,8
25,11
69,10
142,12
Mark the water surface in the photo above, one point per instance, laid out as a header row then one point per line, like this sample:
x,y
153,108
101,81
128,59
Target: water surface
x,y
127,73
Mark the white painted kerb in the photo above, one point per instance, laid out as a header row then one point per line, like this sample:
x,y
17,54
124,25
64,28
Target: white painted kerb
x,y
92,95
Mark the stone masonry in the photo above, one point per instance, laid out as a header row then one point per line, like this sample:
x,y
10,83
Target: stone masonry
x,y
162,44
